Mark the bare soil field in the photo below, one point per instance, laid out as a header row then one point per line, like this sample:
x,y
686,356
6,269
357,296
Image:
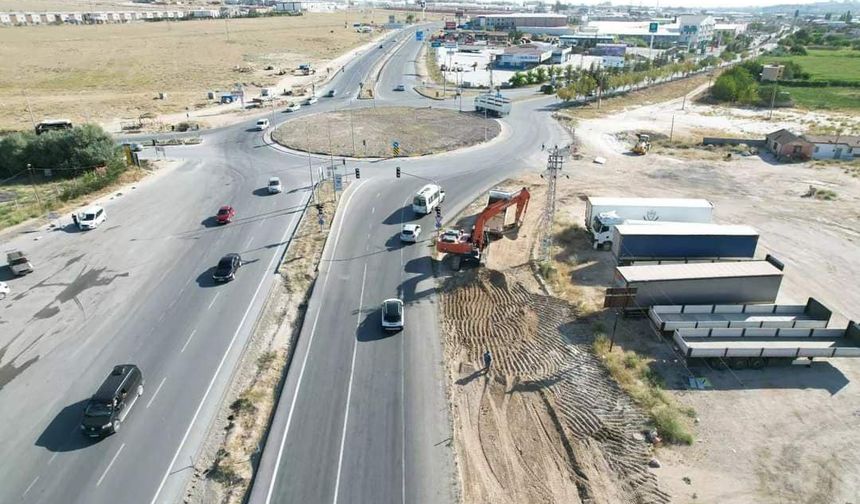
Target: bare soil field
x,y
369,132
546,423
113,71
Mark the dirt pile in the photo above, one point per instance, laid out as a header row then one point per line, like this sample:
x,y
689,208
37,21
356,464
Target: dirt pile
x,y
547,423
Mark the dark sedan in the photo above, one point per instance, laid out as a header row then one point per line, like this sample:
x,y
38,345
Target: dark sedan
x,y
227,267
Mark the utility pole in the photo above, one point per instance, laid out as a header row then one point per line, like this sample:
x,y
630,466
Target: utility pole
x,y
553,167
773,99
35,190
310,167
331,162
672,129
352,132
30,110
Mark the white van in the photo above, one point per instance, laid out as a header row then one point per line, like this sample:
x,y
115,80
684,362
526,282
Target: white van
x,y
427,198
91,218
262,124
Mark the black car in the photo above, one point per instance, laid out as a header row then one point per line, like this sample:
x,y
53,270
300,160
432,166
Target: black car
x,y
109,406
227,267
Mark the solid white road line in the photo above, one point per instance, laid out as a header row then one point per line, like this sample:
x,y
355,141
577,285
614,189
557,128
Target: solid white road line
x,y
29,487
275,256
99,482
349,389
213,300
307,352
156,392
188,340
53,457
250,239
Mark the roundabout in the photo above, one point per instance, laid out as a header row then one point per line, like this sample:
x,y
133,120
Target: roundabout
x,y
372,132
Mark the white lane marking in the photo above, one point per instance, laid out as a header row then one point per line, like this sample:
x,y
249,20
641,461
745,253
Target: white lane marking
x,y
188,340
55,454
349,389
213,300
275,256
307,353
372,210
403,418
156,392
250,239
161,317
30,487
99,482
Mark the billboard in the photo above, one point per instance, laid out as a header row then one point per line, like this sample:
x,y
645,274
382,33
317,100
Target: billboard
x,y
450,25
617,50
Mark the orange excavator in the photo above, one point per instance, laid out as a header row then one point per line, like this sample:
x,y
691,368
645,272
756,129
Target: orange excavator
x,y
463,246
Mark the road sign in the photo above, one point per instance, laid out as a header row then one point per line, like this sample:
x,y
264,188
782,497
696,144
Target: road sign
x,y
338,182
438,225
438,221
419,35
652,28
395,147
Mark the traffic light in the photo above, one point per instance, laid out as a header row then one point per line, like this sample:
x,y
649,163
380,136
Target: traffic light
x,y
439,212
398,172
344,161
357,174
319,208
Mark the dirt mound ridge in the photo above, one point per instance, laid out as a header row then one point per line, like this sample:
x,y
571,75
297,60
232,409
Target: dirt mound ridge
x,y
550,425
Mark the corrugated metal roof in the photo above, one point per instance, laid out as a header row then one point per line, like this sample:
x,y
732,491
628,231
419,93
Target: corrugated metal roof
x,y
686,228
730,269
652,202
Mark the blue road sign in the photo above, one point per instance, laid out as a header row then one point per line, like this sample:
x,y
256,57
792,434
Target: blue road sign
x,y
652,27
395,144
338,182
419,35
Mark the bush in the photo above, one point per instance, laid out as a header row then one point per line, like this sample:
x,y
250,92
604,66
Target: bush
x,y
68,151
735,85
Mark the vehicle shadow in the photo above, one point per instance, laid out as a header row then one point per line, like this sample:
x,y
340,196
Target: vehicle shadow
x,y
262,191
370,329
70,228
63,433
210,222
401,215
394,243
6,274
205,279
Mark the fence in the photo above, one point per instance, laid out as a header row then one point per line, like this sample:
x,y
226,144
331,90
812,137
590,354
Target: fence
x,y
752,142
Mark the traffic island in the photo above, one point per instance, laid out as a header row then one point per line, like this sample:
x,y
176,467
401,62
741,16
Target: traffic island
x,y
373,132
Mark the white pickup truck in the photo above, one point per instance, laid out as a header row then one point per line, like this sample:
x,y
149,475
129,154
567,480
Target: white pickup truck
x,y
18,263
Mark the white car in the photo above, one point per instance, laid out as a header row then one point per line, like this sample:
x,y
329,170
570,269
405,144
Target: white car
x,y
311,100
262,125
293,107
392,315
91,218
4,290
410,233
275,185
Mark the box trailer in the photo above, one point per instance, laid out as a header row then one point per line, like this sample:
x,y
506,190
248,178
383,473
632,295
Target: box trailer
x,y
603,214
755,348
729,282
682,241
493,104
667,318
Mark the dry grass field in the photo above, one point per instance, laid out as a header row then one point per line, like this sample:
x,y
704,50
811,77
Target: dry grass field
x,y
106,72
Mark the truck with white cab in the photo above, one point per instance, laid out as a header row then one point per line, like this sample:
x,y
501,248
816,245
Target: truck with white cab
x,y
603,214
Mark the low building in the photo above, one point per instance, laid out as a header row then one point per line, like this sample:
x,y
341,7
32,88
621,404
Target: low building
x,y
561,55
511,22
844,147
5,18
524,56
770,73
786,145
611,55
205,13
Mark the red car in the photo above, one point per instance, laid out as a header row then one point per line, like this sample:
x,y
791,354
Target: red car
x,y
225,214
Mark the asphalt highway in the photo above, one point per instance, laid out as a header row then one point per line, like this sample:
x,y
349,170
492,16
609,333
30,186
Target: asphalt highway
x,y
138,290
363,415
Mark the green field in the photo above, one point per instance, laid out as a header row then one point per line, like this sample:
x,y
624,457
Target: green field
x,y
829,98
826,64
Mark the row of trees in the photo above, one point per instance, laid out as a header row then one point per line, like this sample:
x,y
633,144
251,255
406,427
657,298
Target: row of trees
x,y
67,152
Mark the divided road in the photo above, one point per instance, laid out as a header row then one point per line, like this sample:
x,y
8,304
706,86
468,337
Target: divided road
x,y
139,290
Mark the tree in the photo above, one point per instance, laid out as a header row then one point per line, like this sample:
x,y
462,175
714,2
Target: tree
x,y
531,76
569,74
736,86
518,79
540,75
12,149
410,18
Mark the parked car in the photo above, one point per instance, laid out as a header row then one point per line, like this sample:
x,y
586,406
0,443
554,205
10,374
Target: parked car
x,y
275,185
410,233
262,124
293,107
400,87
4,290
111,403
227,268
18,263
225,214
91,217
311,100
392,314
331,93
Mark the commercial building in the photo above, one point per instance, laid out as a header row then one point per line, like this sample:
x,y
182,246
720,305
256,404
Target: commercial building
x,y
696,31
524,22
524,56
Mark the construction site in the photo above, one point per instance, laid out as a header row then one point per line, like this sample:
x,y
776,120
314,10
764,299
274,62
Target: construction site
x,y
563,414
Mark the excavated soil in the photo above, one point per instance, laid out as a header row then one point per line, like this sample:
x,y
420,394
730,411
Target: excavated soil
x,y
547,423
